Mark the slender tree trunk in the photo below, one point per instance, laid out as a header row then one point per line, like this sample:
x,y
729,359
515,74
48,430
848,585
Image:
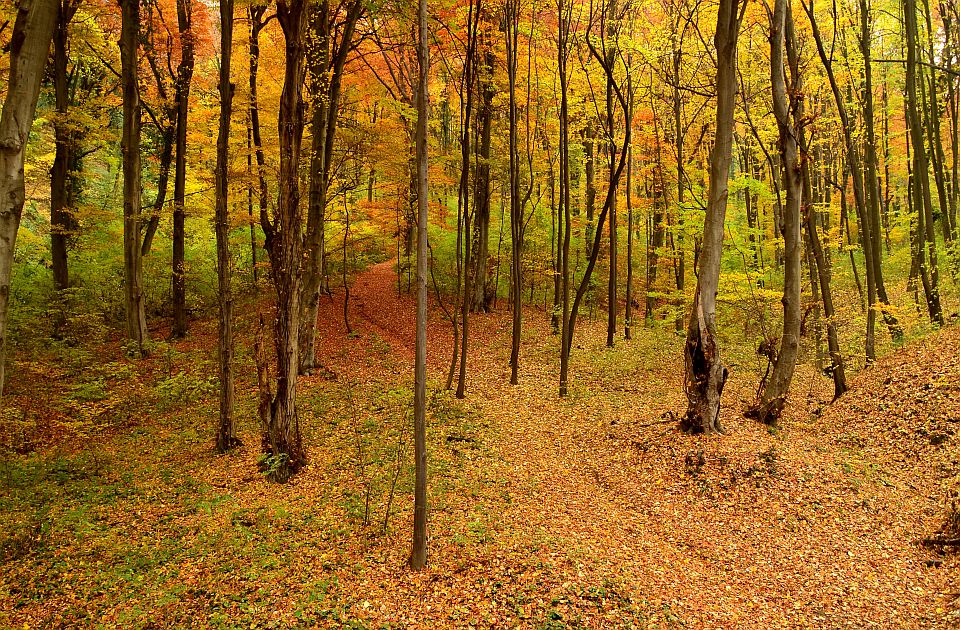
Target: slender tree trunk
x,y
130,147
29,47
327,63
620,162
590,168
873,196
929,272
853,165
184,79
705,374
612,181
227,431
564,10
418,555
774,396
255,14
516,205
628,307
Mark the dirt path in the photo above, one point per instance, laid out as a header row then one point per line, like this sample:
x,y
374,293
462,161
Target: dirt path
x,y
814,526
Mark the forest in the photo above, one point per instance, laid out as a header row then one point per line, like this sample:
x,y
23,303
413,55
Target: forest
x,y
479,313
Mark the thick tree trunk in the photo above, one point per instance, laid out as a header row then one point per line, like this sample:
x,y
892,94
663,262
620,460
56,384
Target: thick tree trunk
x,y
282,441
130,147
482,296
64,182
418,554
29,46
705,374
184,78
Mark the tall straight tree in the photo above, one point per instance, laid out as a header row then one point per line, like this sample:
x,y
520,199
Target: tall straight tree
x,y
227,432
463,192
564,13
922,202
705,375
418,554
64,182
774,395
610,51
332,41
511,19
182,97
282,441
29,47
136,314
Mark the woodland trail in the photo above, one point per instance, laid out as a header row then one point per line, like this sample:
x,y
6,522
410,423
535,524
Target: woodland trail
x,y
815,526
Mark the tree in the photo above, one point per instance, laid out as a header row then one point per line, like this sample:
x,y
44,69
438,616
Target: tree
x,y
330,47
182,101
599,50
64,180
705,374
418,555
774,396
227,432
29,46
282,441
134,301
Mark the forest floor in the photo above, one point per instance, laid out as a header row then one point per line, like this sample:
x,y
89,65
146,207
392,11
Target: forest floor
x,y
589,511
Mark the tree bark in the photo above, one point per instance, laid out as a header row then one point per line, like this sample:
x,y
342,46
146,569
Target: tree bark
x,y
136,316
29,46
64,182
929,271
227,431
774,396
184,78
705,373
327,64
418,554
282,441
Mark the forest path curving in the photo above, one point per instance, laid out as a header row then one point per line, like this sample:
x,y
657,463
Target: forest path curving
x,y
816,525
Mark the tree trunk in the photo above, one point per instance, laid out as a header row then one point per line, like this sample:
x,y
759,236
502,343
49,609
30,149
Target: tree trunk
x,y
418,554
130,147
481,297
929,272
282,441
516,205
774,396
184,78
628,306
327,63
705,374
227,432
66,161
563,52
612,182
29,46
